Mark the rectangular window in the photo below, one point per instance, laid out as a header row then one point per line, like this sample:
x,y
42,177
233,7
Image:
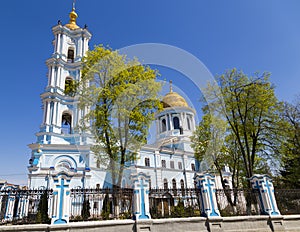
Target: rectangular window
x,y
147,162
171,164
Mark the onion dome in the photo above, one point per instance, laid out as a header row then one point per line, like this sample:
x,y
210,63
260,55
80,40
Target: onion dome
x,y
173,99
72,23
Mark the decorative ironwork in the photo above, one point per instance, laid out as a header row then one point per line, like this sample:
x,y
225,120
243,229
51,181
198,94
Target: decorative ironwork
x,y
25,206
238,202
22,206
288,201
102,204
183,202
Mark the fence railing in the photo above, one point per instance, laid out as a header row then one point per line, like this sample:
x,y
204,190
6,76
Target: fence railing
x,y
238,202
165,203
22,206
27,206
288,201
101,204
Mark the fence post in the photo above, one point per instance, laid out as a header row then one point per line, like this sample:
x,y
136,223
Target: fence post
x,y
207,186
61,196
141,209
263,183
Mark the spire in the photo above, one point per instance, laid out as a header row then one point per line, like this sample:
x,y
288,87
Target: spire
x,y
73,16
171,88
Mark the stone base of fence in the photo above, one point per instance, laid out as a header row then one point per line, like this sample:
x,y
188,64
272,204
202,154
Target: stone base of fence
x,y
200,224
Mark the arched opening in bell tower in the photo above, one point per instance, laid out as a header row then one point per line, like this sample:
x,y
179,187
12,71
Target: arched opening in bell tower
x,y
71,54
163,125
176,123
66,123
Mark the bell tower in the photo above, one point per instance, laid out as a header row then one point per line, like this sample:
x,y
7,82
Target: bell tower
x,y
175,123
60,149
60,112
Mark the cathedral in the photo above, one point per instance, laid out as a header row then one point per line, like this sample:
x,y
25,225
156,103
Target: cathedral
x,y
63,155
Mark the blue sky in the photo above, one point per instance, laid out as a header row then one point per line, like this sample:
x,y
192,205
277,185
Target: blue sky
x,y
251,35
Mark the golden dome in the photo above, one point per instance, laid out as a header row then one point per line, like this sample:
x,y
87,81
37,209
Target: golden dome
x,y
72,23
173,99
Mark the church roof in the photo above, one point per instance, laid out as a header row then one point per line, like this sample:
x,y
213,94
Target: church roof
x,y
173,99
72,23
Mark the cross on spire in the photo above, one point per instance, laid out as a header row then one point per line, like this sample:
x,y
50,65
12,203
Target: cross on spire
x,y
171,87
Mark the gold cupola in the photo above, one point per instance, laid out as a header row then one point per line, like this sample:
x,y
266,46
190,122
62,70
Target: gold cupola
x,y
173,99
72,23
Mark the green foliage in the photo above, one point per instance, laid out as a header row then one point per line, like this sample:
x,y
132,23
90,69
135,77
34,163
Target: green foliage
x,y
121,98
178,210
71,87
125,215
42,212
290,147
240,126
85,211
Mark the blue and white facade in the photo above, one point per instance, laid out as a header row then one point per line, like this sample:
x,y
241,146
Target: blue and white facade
x,y
62,154
59,147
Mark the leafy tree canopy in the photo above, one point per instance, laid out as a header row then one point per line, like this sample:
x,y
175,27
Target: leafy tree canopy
x,y
240,126
118,97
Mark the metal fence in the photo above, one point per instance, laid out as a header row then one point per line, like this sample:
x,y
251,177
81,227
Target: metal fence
x,y
23,206
288,201
166,203
27,206
101,204
238,202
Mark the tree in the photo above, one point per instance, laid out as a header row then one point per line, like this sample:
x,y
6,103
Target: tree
x,y
42,212
250,110
119,98
105,208
85,211
290,147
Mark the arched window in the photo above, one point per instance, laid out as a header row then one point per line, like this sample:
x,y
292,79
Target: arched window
x,y
98,163
174,184
165,184
66,122
182,184
163,125
70,55
188,123
193,167
179,165
176,123
163,164
147,162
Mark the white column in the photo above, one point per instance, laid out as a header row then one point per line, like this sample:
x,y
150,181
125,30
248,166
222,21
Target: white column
x,y
53,76
48,113
57,44
79,48
170,122
45,111
54,120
